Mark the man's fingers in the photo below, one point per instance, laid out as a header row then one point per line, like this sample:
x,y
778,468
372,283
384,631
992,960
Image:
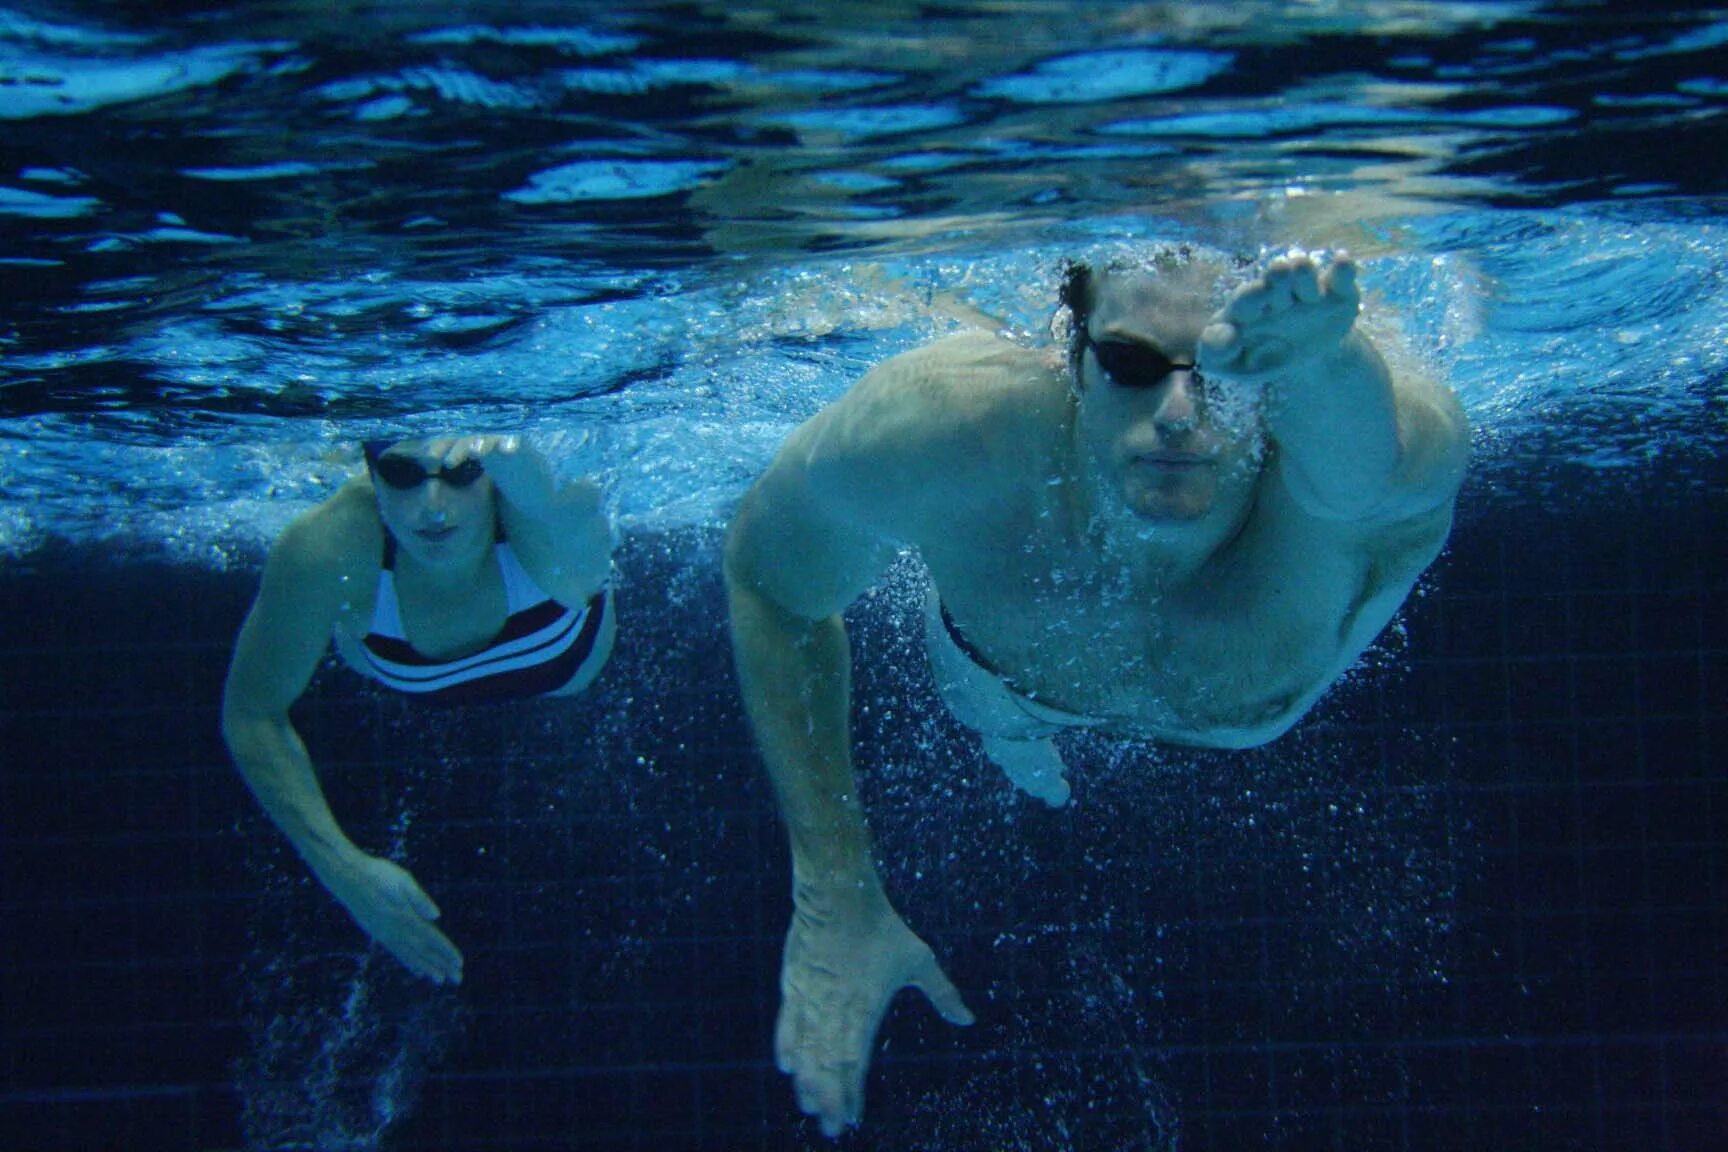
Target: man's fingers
x,y
1305,283
845,1095
1218,342
944,997
816,1097
1223,350
1283,281
836,988
1248,304
809,1093
826,1059
835,1122
825,1095
1340,278
787,1037
842,1056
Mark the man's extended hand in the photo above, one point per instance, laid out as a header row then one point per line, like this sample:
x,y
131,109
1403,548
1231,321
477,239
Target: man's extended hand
x,y
1294,314
847,954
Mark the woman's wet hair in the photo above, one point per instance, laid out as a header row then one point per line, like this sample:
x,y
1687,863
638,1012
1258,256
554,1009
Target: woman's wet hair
x,y
372,449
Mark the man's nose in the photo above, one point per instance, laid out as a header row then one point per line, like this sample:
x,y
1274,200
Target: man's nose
x,y
1179,405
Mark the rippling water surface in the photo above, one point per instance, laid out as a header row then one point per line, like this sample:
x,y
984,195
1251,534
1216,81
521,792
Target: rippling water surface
x,y
236,238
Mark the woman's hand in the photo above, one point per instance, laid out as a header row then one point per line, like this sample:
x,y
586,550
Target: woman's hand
x,y
520,473
395,911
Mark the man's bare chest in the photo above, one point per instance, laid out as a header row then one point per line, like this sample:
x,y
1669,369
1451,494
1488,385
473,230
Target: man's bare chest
x,y
1232,664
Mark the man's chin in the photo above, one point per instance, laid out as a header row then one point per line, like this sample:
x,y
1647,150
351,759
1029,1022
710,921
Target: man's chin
x,y
1158,509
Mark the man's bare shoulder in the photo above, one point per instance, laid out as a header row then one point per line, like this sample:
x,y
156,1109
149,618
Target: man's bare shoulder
x,y
971,369
963,399
932,438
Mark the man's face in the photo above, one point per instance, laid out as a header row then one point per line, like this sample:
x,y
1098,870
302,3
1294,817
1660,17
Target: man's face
x,y
1172,446
439,517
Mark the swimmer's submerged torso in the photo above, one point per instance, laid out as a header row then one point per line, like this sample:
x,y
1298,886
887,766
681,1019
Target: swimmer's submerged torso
x,y
541,648
1209,669
1232,658
515,626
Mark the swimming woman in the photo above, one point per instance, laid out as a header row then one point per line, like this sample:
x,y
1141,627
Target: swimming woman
x,y
454,570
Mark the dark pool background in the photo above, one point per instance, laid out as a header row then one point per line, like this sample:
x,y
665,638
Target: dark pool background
x,y
1479,899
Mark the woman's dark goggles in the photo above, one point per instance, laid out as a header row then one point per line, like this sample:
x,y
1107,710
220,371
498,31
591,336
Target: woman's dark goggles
x,y
405,472
1130,364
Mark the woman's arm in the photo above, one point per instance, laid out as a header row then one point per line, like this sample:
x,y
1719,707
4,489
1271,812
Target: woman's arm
x,y
305,586
558,528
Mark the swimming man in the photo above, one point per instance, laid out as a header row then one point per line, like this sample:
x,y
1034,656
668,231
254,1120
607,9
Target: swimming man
x,y
1186,527
453,570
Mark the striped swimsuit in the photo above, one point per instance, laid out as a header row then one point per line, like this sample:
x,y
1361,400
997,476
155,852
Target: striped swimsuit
x,y
542,647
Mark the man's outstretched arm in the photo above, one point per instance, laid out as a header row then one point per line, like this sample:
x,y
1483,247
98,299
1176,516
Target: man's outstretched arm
x,y
1355,440
792,564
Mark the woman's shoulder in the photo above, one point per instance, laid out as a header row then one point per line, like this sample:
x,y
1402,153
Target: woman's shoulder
x,y
342,536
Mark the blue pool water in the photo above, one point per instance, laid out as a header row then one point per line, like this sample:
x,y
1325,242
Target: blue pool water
x,y
1478,899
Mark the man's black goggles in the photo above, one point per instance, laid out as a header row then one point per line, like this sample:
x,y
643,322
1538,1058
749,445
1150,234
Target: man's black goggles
x,y
1131,364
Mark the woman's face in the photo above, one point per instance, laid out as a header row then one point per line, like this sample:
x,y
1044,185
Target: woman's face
x,y
439,516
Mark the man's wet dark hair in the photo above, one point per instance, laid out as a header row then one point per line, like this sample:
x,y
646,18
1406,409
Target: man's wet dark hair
x,y
1078,290
1075,295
